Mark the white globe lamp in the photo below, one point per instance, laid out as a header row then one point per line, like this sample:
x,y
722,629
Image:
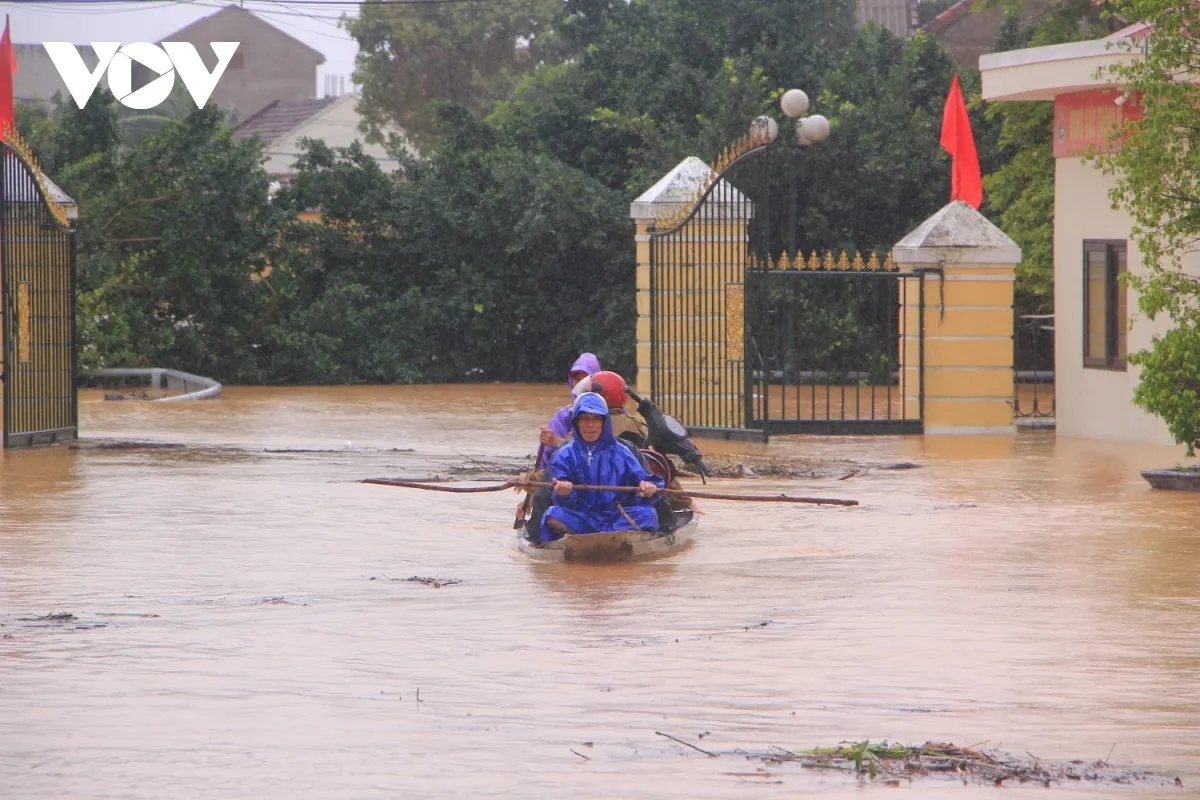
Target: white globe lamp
x,y
794,103
815,128
764,128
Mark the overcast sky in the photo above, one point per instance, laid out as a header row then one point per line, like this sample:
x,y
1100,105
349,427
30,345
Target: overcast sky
x,y
82,22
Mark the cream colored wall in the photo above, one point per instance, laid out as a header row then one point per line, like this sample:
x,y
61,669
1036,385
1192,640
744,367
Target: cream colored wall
x,y
1093,403
337,125
1024,75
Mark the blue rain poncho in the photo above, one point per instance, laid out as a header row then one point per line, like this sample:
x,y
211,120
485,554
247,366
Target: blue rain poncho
x,y
605,462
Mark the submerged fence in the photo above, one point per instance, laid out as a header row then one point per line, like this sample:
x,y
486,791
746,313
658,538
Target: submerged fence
x,y
1033,366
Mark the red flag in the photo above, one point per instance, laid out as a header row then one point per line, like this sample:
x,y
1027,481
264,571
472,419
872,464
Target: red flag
x,y
957,139
8,66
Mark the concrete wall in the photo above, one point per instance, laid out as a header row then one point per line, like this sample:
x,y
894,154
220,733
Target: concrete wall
x,y
1094,403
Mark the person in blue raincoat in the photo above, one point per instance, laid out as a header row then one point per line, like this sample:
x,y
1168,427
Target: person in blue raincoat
x,y
595,457
552,436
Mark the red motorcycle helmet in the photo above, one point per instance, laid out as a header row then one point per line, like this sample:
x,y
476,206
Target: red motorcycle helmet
x,y
611,387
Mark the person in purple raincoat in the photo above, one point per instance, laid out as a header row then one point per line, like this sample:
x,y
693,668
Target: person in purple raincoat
x,y
556,432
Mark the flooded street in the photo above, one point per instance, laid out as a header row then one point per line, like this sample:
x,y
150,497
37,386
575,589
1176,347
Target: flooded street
x,y
242,627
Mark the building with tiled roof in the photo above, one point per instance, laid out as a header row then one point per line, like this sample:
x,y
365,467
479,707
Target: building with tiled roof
x,y
966,33
898,16
335,120
268,65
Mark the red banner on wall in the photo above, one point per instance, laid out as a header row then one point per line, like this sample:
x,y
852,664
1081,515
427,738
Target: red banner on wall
x,y
1085,121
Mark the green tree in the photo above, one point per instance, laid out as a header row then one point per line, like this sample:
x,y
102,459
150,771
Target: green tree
x,y
171,231
882,171
652,81
486,262
1020,187
467,53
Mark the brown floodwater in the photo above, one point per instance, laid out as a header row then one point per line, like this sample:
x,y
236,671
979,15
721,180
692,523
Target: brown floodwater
x,y
236,633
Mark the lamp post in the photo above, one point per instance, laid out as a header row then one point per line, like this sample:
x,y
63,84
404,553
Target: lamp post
x,y
808,130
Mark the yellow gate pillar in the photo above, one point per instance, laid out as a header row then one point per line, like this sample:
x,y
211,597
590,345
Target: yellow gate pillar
x,y
968,324
697,300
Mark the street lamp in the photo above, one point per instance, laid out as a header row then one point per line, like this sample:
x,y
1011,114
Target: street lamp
x,y
764,128
808,130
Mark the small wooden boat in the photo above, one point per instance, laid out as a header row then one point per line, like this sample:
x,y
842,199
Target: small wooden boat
x,y
615,545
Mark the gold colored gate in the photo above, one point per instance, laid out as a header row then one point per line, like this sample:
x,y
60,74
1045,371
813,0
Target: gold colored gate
x,y
37,308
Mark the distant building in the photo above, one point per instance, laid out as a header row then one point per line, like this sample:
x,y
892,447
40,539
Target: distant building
x,y
37,79
334,120
898,16
269,65
966,34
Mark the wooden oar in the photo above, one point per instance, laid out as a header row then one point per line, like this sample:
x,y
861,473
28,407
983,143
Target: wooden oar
x,y
516,484
527,504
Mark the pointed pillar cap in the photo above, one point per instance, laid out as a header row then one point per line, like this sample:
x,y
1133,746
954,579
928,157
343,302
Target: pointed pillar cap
x,y
957,234
680,187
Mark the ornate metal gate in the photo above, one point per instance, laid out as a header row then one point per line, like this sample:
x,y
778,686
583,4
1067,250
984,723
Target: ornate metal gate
x,y
37,289
832,337
748,335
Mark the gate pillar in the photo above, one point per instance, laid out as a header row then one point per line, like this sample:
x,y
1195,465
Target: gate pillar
x,y
691,257
964,381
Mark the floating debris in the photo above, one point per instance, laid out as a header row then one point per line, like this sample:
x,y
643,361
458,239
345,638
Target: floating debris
x,y
57,616
436,583
894,763
123,445
339,450
502,468
762,467
58,620
281,601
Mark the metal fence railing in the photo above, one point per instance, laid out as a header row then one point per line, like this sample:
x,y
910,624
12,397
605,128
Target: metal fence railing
x,y
1033,366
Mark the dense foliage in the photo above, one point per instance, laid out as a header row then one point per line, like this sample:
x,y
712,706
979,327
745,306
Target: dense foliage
x,y
506,249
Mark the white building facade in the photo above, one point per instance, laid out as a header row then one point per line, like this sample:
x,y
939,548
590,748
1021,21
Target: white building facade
x,y
1096,319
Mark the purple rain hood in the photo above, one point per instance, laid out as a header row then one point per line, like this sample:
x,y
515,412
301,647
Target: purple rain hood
x,y
585,363
560,423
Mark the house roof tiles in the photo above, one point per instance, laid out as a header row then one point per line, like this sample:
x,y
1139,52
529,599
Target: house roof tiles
x,y
280,118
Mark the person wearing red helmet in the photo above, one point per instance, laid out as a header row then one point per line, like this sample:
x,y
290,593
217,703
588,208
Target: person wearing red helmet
x,y
635,434
611,387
